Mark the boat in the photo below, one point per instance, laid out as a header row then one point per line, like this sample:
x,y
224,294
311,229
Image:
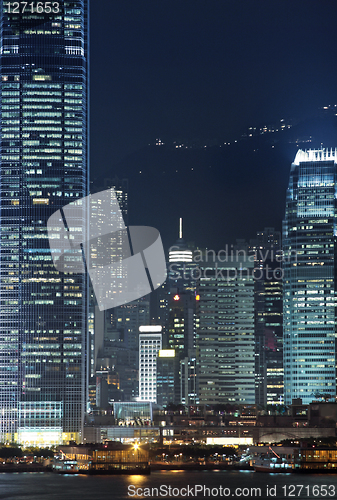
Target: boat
x,y
273,463
64,466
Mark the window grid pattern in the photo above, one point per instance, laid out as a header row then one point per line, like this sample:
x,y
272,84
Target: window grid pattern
x,y
225,334
309,244
43,149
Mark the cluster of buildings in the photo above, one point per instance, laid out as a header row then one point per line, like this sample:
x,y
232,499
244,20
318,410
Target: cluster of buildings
x,y
253,323
250,324
226,425
214,336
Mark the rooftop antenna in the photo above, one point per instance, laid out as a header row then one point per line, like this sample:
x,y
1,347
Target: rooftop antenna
x,y
180,228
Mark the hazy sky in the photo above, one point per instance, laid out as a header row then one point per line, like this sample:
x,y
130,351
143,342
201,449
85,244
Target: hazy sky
x,y
203,69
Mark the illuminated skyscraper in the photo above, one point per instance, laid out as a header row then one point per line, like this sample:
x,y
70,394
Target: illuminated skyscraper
x,y
44,166
100,320
309,286
181,337
150,343
167,376
225,334
268,317
181,318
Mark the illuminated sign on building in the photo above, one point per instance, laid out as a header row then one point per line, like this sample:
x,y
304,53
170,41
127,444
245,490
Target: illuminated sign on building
x,y
167,353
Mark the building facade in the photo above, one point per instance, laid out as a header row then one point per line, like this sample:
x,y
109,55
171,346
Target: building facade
x,y
150,343
181,337
309,285
225,334
100,321
44,166
266,249
167,377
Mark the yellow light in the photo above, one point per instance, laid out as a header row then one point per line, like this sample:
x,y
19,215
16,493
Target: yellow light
x,y
197,297
176,297
136,446
166,353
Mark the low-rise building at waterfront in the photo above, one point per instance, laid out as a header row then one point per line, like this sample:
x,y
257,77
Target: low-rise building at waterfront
x,y
109,457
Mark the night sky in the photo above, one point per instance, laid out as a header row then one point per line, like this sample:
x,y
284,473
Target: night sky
x,y
204,71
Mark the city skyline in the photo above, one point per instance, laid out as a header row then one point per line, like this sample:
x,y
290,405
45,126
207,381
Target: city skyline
x,y
208,74
212,332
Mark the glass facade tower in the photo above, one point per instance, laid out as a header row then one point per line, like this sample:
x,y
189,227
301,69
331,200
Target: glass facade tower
x,y
309,286
44,166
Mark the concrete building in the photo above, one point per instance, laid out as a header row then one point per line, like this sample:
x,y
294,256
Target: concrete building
x,y
225,335
167,377
150,342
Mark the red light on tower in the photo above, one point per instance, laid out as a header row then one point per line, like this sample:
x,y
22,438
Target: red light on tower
x,y
176,297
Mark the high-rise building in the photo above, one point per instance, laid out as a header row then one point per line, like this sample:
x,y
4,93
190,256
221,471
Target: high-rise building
x,y
266,248
225,334
167,377
309,285
44,166
181,336
188,379
173,306
150,343
101,322
182,320
129,317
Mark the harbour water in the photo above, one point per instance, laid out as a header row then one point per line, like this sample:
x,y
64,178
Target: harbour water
x,y
167,484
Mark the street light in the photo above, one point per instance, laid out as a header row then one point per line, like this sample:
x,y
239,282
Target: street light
x,y
136,448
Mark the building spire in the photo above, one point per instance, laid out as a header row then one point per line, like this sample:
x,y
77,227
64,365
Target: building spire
x,y
180,228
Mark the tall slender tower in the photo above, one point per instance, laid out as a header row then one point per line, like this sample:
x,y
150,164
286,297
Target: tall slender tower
x,y
309,286
44,166
268,317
